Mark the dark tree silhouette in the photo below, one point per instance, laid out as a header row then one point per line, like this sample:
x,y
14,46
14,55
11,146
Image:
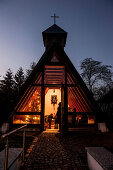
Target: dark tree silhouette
x,y
7,84
10,87
6,95
28,71
19,79
96,75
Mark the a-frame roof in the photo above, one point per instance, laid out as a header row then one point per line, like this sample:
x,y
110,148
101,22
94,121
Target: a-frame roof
x,y
44,60
54,29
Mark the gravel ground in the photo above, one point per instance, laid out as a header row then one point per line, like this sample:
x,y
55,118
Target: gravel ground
x,y
56,151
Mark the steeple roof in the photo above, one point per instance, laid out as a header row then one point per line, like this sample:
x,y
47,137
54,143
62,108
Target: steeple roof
x,y
54,33
54,29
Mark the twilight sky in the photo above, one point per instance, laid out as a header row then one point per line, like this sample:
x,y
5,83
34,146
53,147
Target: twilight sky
x,y
89,24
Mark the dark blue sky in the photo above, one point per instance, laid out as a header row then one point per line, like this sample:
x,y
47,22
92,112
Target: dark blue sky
x,y
89,24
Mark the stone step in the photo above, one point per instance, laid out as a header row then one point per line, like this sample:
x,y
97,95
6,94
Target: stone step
x,y
13,158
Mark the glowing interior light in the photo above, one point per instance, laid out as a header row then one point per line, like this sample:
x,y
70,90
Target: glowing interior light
x,y
29,119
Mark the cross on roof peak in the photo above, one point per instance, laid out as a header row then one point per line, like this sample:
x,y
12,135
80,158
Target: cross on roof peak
x,y
54,16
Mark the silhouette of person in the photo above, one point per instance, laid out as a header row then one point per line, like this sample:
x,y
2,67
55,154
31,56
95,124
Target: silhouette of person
x,y
74,116
50,120
59,116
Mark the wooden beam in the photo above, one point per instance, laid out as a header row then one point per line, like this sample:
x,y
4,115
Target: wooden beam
x,y
42,102
27,113
68,85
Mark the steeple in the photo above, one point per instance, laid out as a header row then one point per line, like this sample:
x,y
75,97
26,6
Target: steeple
x,y
54,34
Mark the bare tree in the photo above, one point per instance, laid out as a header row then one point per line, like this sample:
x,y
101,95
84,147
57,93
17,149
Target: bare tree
x,y
96,75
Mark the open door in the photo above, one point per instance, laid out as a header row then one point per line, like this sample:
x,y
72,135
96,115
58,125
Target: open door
x,y
52,100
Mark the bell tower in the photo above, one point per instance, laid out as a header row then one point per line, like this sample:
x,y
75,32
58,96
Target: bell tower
x,y
54,35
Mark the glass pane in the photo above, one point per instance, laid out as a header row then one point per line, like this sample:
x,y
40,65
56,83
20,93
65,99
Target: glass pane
x,y
32,102
69,79
76,101
91,119
26,119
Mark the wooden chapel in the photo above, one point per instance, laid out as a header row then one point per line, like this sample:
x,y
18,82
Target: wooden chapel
x,y
54,80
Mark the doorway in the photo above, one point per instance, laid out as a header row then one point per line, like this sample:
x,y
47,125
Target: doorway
x,y
52,100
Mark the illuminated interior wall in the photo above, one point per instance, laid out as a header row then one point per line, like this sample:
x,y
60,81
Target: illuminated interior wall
x,y
52,108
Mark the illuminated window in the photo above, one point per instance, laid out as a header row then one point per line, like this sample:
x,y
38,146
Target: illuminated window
x,y
69,79
78,118
26,119
76,101
32,102
91,119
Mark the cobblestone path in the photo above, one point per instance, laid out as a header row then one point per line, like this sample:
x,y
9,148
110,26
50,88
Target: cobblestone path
x,y
53,151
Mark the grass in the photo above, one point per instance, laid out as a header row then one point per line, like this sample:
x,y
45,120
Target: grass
x,y
93,138
75,143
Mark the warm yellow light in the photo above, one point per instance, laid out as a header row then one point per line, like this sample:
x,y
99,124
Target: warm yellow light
x,y
35,118
38,118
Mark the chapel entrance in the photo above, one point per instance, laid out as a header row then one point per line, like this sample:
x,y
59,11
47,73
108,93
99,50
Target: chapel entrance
x,y
52,101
